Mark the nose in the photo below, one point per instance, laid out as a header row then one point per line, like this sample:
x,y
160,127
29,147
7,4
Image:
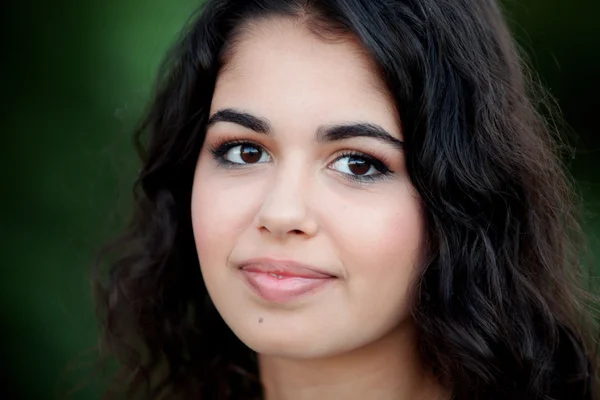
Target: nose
x,y
285,210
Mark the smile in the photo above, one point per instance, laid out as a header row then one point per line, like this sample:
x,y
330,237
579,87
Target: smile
x,y
281,282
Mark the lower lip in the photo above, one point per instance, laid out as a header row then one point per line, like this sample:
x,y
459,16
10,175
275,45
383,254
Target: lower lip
x,y
282,290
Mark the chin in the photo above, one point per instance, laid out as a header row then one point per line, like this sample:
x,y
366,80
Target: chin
x,y
297,351
278,343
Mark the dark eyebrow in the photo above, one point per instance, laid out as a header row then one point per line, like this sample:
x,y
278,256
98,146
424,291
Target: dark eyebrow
x,y
246,120
361,129
324,134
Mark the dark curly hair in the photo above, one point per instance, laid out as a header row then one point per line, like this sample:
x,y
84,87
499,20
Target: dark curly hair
x,y
500,306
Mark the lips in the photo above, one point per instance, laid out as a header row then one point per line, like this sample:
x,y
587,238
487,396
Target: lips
x,y
283,281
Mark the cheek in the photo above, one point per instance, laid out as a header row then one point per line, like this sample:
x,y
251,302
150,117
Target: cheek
x,y
391,228
218,213
383,251
219,210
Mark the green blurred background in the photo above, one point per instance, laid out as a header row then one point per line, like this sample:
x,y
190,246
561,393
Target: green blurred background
x,y
75,77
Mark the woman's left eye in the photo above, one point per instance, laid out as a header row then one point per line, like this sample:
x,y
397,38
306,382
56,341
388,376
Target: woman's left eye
x,y
360,167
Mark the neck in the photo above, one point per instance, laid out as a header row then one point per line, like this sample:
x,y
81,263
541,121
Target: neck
x,y
388,369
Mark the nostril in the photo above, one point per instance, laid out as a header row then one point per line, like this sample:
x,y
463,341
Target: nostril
x,y
296,232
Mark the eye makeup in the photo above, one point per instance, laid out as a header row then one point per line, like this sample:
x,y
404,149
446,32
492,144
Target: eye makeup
x,y
360,167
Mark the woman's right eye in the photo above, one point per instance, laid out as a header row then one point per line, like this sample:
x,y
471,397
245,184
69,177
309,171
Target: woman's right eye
x,y
245,153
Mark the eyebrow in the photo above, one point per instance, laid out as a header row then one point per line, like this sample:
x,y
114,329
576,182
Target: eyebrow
x,y
324,133
246,120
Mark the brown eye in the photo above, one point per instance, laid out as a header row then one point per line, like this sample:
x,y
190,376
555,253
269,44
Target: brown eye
x,y
250,154
246,154
361,167
358,166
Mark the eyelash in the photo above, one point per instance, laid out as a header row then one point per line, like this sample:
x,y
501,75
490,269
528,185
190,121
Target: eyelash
x,y
219,149
380,165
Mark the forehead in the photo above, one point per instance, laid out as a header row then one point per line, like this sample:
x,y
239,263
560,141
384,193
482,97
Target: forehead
x,y
278,67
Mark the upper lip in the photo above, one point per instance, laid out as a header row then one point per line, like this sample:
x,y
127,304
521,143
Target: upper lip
x,y
284,268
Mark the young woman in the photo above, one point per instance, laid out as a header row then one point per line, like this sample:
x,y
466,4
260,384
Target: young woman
x,y
348,199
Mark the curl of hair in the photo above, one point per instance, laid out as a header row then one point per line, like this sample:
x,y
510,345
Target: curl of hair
x,y
498,304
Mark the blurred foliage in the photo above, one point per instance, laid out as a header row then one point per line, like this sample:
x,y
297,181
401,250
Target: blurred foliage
x,y
75,77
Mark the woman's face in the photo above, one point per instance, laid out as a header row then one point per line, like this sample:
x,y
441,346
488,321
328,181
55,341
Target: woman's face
x,y
308,230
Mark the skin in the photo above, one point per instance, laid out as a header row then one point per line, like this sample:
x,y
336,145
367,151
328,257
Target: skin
x,y
352,338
